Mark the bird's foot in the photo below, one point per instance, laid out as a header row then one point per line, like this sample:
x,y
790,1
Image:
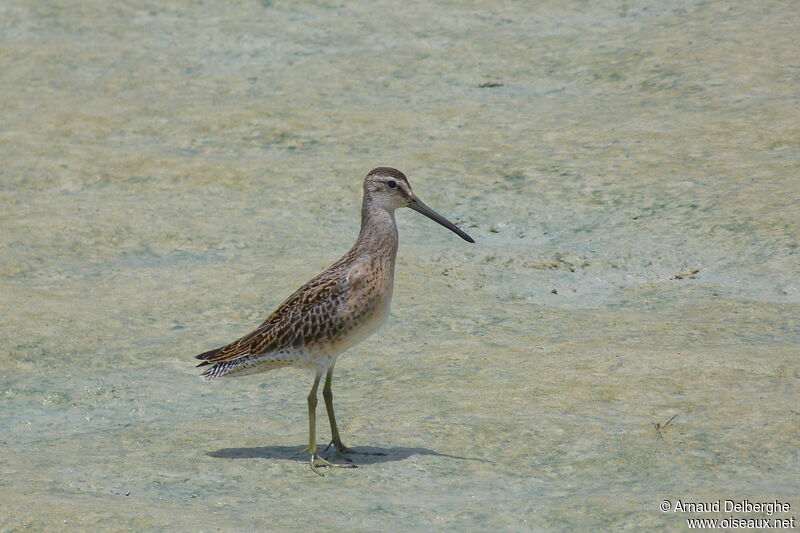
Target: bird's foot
x,y
318,462
341,448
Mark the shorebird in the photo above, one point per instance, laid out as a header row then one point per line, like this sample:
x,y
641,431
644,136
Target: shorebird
x,y
334,311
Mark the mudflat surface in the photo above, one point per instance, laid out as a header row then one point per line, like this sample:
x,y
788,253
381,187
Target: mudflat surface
x,y
169,174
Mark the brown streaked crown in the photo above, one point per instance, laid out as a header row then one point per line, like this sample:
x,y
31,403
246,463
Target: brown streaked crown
x,y
389,172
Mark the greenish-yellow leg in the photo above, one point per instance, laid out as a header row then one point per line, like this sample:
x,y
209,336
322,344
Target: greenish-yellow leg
x,y
336,440
316,460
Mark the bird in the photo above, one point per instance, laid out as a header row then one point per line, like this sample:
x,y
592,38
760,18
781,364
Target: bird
x,y
340,307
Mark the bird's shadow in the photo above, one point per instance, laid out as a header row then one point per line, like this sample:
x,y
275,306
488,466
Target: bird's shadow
x,y
293,453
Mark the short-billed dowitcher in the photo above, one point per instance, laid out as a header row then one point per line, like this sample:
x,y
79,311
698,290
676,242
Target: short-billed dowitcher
x,y
334,311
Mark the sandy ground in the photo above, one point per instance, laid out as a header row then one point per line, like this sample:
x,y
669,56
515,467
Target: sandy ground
x,y
629,170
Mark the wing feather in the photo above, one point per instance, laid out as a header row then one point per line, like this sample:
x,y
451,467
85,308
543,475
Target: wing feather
x,y
307,314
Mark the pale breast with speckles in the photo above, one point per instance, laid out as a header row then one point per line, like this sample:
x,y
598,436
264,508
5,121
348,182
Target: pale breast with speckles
x,y
365,309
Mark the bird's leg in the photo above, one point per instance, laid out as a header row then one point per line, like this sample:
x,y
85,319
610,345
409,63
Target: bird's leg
x,y
316,460
336,440
327,395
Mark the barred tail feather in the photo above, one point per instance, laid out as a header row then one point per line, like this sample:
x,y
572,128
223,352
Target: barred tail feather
x,y
222,368
241,367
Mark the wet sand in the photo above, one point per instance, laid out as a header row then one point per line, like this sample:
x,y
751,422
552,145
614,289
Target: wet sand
x,y
169,174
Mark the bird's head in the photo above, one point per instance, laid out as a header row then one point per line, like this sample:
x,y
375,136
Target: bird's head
x,y
389,188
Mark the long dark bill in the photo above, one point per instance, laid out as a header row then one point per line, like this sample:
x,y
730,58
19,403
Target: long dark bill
x,y
420,207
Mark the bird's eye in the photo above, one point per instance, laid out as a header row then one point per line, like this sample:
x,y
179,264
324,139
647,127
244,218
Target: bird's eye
x,y
392,184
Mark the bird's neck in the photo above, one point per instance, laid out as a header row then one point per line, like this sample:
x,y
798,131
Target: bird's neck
x,y
378,235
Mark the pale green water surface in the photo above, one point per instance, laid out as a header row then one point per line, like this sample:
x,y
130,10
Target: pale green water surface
x,y
169,173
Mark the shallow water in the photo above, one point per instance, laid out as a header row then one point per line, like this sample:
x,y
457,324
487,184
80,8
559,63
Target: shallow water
x,y
168,174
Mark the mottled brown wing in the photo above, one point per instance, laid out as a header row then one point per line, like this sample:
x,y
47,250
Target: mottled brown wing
x,y
308,313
